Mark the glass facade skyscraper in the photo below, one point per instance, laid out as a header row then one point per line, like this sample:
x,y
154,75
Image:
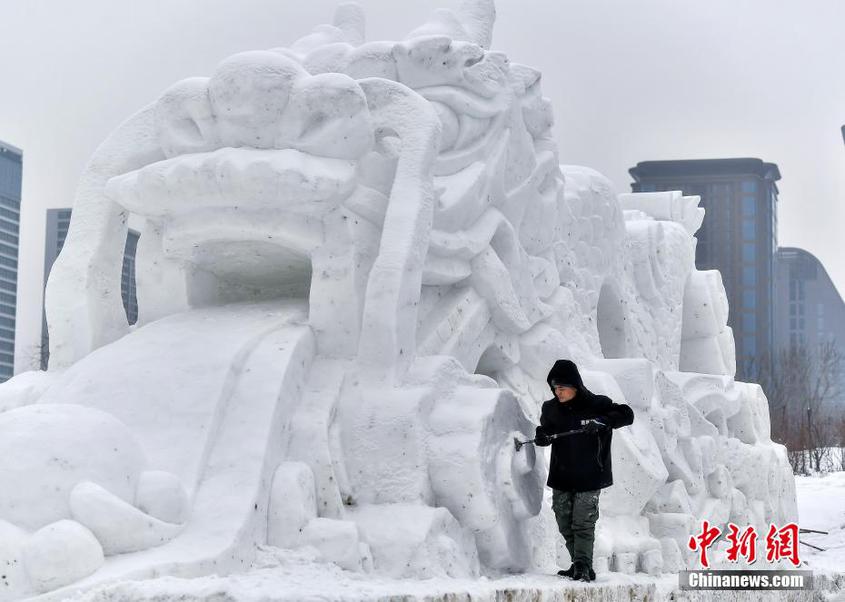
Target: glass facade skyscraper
x,y
812,311
58,222
809,311
11,170
738,237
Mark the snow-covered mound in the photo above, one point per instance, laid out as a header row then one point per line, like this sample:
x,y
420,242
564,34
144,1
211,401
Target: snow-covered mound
x,y
359,261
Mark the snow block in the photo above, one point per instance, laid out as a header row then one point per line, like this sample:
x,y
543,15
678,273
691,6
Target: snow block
x,y
741,424
751,423
703,355
337,540
638,470
719,483
746,464
161,494
314,433
671,497
118,526
700,318
714,510
787,509
709,457
739,508
692,454
634,376
630,540
410,541
293,502
651,561
673,560
699,426
601,382
61,553
728,347
673,525
707,344
625,562
385,423
666,206
718,296
479,476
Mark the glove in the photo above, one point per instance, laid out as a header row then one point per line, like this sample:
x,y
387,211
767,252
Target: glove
x,y
541,438
594,426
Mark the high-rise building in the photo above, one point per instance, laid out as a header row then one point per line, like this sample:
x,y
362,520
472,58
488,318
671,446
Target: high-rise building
x,y
812,311
738,237
11,169
809,310
58,222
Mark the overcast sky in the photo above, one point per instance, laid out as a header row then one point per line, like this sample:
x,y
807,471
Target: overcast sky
x,y
630,80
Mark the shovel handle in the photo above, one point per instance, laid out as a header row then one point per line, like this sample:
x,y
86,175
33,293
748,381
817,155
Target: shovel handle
x,y
519,444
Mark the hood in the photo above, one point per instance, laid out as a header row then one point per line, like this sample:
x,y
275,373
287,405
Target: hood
x,y
567,371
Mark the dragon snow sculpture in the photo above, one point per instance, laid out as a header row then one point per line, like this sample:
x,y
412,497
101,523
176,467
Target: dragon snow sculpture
x,y
358,261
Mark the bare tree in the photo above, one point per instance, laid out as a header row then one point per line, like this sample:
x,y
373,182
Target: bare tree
x,y
801,383
840,459
32,357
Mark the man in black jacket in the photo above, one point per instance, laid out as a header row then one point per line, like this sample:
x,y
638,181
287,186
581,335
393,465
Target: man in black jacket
x,y
580,465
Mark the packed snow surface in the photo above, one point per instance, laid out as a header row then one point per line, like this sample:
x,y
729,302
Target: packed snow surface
x,y
303,575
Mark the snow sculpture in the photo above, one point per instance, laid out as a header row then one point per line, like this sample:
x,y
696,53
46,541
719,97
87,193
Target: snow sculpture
x,y
359,261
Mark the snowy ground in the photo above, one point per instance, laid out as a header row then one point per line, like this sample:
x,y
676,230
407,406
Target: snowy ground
x,y
821,506
282,575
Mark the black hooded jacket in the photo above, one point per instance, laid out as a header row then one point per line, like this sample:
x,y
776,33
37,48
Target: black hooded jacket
x,y
580,462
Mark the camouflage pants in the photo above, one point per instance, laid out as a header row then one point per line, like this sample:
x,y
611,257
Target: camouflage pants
x,y
576,513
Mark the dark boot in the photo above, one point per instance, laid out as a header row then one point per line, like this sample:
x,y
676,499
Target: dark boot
x,y
568,572
581,572
592,574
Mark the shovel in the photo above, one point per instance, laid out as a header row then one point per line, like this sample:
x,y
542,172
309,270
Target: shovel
x,y
518,444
